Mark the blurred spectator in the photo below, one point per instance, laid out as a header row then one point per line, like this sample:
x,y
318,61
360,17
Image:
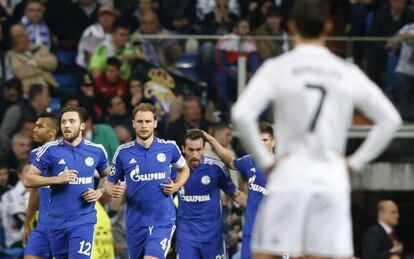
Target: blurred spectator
x,y
69,99
115,46
85,13
177,15
13,208
191,118
6,72
32,64
9,5
135,14
110,82
102,134
220,20
404,76
11,94
203,7
21,145
4,177
25,110
88,99
158,52
258,15
380,241
95,34
135,93
123,133
118,113
386,22
228,50
27,128
272,26
35,25
221,131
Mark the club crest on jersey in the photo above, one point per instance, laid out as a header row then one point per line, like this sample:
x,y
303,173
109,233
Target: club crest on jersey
x,y
161,157
135,174
89,161
205,180
112,170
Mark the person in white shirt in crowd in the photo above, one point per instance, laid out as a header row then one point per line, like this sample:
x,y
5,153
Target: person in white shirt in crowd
x,y
33,22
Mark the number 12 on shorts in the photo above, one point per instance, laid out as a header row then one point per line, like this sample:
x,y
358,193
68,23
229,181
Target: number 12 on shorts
x,y
85,248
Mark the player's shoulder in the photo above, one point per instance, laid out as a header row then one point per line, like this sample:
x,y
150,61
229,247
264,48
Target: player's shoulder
x,y
123,147
169,144
95,147
214,162
47,146
245,159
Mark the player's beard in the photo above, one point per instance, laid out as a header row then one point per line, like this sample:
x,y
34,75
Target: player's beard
x,y
72,136
193,162
144,136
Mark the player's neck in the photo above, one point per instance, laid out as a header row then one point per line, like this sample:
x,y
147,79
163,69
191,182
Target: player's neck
x,y
76,141
146,143
309,41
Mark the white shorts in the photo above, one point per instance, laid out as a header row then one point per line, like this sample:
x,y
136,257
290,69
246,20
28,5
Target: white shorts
x,y
305,212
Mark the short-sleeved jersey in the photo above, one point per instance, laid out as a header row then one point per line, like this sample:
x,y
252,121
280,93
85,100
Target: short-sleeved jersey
x,y
199,208
314,94
44,194
67,208
144,170
256,179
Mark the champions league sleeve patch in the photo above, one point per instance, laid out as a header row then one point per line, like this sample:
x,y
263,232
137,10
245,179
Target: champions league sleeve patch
x,y
112,170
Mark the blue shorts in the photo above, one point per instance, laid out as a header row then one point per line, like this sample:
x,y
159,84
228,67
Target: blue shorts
x,y
149,241
200,250
75,242
246,252
38,244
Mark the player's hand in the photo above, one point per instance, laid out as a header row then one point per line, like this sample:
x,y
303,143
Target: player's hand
x,y
207,136
170,187
92,195
348,167
26,233
67,176
116,191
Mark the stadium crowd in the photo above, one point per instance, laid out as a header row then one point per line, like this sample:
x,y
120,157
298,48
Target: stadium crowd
x,y
94,54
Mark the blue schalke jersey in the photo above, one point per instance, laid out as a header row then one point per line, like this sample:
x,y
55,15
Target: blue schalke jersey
x,y
144,170
44,194
199,208
67,208
257,189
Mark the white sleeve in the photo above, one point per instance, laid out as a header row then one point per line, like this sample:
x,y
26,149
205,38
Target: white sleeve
x,y
251,103
374,104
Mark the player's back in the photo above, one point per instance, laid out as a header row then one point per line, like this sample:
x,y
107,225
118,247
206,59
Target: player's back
x,y
314,94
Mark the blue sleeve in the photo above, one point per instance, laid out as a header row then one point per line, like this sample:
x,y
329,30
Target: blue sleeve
x,y
103,160
243,165
42,160
224,180
116,173
177,161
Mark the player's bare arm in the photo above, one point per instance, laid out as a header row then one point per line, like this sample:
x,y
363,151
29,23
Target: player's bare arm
x,y
92,195
114,190
31,210
182,176
33,178
240,197
224,154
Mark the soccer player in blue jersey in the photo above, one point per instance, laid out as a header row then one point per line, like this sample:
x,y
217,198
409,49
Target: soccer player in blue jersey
x,y
251,173
70,164
199,219
145,165
37,244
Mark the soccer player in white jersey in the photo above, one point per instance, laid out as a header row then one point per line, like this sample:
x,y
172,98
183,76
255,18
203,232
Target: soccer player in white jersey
x,y
314,94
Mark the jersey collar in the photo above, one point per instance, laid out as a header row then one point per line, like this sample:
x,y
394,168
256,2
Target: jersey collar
x,y
141,147
81,144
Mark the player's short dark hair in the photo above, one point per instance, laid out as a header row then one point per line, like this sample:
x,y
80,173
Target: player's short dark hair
x,y
83,115
14,83
266,128
36,90
54,121
310,17
194,134
144,107
113,61
121,25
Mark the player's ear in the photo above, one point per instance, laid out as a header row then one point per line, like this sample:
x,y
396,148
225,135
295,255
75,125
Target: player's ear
x,y
328,27
83,126
155,124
